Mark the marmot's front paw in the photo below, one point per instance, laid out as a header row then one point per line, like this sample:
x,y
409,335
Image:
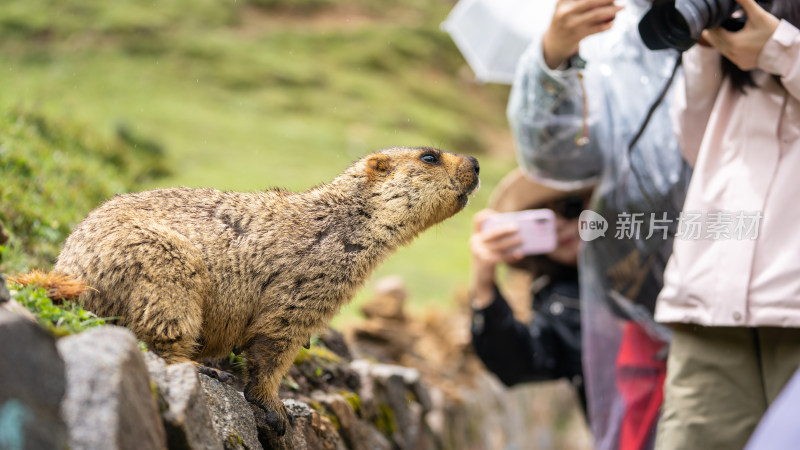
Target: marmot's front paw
x,y
278,417
221,375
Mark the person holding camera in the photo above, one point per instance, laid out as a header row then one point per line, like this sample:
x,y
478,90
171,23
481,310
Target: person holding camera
x,y
589,105
548,347
733,296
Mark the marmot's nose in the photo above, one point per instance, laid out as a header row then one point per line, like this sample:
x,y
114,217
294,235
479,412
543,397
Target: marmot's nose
x,y
475,166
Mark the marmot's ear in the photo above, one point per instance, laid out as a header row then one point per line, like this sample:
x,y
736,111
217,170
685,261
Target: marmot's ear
x,y
377,165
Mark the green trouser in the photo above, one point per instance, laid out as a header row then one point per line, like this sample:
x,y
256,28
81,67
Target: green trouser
x,y
719,383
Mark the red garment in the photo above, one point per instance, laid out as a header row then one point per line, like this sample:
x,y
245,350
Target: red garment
x,y
640,378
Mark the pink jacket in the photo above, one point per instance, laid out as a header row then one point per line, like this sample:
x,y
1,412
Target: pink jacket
x,y
742,266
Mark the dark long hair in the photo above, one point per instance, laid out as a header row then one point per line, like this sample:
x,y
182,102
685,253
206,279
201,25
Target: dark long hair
x,y
788,10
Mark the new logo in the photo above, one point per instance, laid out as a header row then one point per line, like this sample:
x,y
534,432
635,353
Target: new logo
x,y
591,225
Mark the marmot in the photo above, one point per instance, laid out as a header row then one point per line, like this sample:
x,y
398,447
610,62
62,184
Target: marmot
x,y
196,273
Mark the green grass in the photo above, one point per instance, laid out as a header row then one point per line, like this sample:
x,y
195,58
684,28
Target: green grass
x,y
53,172
256,94
61,319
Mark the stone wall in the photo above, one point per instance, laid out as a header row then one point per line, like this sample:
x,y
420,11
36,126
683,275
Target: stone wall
x,y
393,382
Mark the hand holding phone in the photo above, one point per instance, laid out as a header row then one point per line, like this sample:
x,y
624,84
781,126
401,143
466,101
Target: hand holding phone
x,y
537,229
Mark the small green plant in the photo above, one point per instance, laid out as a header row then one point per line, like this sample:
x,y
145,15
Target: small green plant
x,y
61,319
353,399
317,354
385,421
238,364
291,384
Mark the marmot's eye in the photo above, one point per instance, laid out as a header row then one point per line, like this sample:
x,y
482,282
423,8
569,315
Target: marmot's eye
x,y
429,158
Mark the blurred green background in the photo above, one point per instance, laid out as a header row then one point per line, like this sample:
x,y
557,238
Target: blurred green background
x,y
107,96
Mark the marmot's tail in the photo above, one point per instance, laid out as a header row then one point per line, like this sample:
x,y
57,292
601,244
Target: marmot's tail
x,y
59,286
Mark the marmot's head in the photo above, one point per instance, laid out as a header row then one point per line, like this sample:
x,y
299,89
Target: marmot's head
x,y
411,189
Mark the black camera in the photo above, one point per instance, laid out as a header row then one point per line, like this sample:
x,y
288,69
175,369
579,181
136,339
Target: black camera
x,y
677,23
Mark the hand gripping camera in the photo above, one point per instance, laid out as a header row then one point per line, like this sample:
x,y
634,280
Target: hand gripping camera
x,y
677,23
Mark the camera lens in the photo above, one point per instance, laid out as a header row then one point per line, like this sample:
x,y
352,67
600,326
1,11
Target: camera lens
x,y
695,14
678,24
665,27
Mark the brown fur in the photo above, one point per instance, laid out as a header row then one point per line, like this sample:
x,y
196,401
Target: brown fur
x,y
59,286
196,273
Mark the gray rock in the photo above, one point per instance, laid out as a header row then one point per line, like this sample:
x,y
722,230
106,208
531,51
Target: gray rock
x,y
297,409
411,377
110,401
4,295
309,430
400,390
316,432
335,342
231,414
32,385
183,405
366,391
357,433
157,368
392,390
15,308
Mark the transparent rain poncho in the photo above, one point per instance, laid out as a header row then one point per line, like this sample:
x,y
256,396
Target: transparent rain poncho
x,y
573,128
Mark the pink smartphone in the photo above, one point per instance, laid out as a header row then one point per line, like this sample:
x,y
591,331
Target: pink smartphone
x,y
537,228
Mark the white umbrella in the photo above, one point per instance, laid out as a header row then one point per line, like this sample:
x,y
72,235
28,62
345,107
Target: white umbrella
x,y
492,34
